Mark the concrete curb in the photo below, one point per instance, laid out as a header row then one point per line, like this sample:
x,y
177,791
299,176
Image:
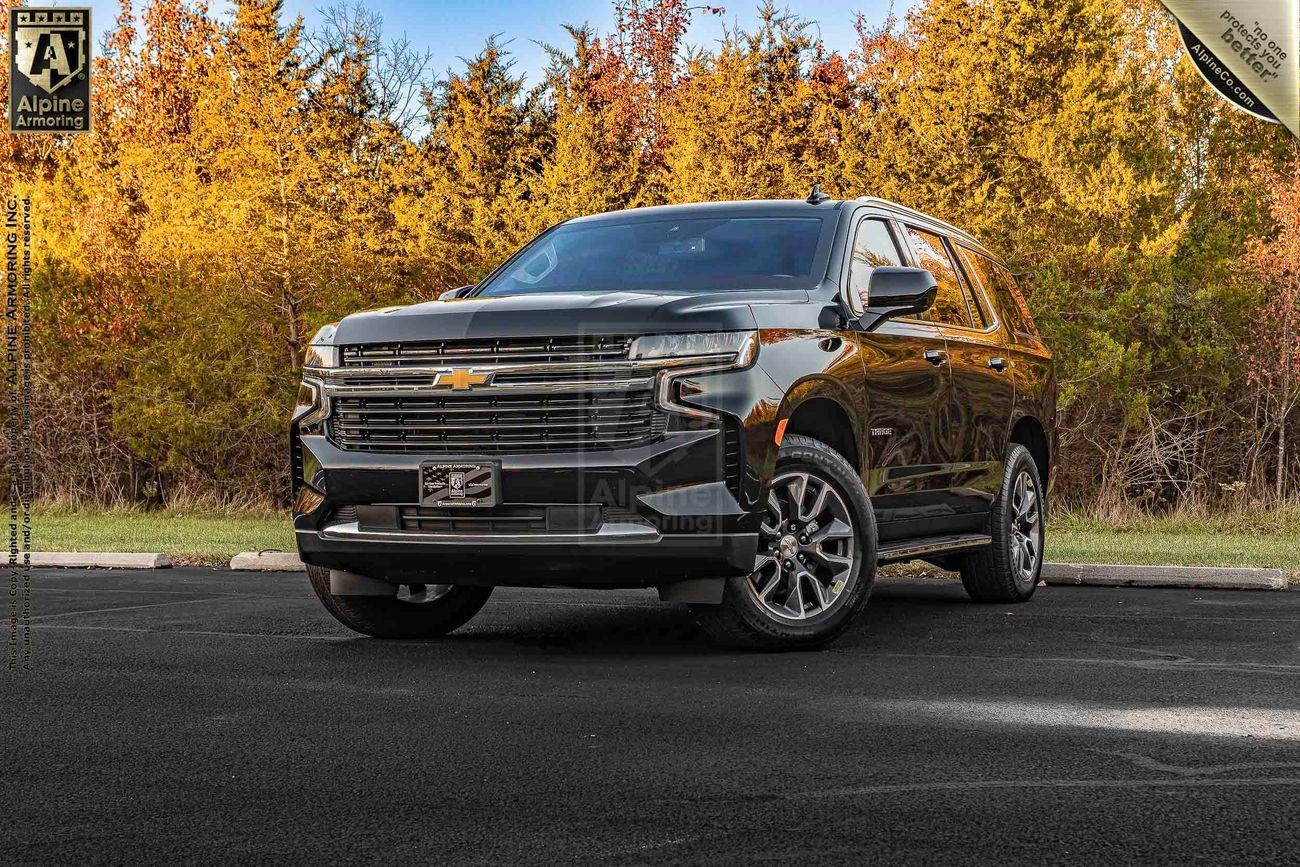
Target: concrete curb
x,y
267,561
1202,577
1059,574
100,560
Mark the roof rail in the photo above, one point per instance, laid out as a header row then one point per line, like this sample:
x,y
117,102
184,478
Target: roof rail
x,y
912,212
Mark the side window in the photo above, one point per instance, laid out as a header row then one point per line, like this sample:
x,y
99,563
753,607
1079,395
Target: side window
x,y
980,280
999,283
950,305
1022,322
873,246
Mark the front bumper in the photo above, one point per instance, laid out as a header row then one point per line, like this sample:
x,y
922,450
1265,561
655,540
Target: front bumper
x,y
668,510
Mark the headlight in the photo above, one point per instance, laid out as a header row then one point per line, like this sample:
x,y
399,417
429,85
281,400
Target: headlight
x,y
322,352
313,407
729,348
690,354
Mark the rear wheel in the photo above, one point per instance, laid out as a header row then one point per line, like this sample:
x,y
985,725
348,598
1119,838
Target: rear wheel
x,y
1008,569
816,557
413,611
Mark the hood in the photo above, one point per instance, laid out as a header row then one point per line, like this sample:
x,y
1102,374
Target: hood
x,y
547,315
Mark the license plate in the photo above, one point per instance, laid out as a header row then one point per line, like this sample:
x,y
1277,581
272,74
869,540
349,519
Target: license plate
x,y
469,485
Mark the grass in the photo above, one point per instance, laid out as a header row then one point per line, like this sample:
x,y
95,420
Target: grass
x,y
187,538
214,537
1082,541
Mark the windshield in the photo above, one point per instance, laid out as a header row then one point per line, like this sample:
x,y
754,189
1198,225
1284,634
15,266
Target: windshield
x,y
697,254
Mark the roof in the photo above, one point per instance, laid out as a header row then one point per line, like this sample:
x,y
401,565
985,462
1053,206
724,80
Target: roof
x,y
918,216
770,207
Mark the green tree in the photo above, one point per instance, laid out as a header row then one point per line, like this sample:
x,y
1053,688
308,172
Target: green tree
x,y
590,166
465,208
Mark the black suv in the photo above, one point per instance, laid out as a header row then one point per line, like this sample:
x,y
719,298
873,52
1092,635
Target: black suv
x,y
746,405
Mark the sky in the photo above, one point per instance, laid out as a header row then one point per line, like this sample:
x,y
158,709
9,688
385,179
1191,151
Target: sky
x,y
452,30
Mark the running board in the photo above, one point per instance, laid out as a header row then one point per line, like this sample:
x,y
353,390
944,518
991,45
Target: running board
x,y
912,549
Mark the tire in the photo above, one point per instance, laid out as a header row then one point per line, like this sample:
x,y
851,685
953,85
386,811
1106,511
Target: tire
x,y
1008,569
750,615
396,617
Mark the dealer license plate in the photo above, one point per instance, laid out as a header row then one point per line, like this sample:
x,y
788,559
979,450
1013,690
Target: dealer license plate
x,y
460,484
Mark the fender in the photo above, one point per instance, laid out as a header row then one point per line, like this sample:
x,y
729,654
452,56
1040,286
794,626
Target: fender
x,y
822,387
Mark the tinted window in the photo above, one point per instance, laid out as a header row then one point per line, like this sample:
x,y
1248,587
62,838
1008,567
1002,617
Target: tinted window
x,y
979,304
998,282
873,246
694,254
950,305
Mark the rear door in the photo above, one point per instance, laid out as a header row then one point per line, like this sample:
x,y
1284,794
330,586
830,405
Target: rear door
x,y
906,388
975,420
1029,362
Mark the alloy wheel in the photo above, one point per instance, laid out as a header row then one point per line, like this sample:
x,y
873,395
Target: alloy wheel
x,y
808,547
1026,527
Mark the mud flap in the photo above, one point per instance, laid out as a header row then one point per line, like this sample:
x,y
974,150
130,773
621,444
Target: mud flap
x,y
697,591
348,584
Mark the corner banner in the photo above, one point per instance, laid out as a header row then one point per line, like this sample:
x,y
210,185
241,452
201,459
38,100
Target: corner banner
x,y
1249,51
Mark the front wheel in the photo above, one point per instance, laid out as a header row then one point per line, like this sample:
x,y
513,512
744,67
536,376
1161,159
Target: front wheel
x,y
816,557
412,611
1008,569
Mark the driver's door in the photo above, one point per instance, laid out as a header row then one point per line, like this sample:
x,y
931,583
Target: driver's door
x,y
907,384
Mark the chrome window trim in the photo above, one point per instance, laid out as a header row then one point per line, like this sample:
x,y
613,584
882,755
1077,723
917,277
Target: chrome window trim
x,y
956,272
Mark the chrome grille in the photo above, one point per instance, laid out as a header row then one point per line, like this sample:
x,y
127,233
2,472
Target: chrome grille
x,y
505,350
496,423
535,394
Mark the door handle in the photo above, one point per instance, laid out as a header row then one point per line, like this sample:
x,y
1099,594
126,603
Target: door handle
x,y
936,356
998,363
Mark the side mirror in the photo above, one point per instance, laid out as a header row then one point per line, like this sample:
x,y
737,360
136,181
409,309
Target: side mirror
x,y
897,292
458,292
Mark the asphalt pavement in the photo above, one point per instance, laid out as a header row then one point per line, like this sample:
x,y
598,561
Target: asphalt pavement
x,y
205,716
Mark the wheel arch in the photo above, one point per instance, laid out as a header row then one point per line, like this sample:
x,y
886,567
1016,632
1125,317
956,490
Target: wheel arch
x,y
813,409
1029,432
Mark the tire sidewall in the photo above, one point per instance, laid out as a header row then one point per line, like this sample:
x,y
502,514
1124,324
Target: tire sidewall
x,y
390,617
804,454
1021,460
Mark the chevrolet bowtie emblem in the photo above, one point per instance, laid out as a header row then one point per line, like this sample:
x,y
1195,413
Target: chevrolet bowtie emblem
x,y
460,379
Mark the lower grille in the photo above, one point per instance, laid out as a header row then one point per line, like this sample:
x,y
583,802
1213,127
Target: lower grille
x,y
295,463
733,458
496,423
502,519
512,520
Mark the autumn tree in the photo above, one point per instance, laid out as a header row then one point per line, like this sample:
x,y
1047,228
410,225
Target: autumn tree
x,y
251,178
642,68
1274,350
1047,130
474,171
590,165
747,122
